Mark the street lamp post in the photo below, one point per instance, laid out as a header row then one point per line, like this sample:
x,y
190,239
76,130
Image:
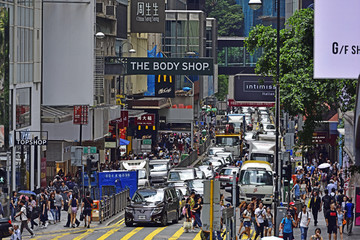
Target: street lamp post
x,y
256,4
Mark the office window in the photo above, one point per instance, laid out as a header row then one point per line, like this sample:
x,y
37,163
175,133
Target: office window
x,y
23,107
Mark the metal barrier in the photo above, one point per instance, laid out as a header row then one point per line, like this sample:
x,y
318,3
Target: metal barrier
x,y
193,156
112,205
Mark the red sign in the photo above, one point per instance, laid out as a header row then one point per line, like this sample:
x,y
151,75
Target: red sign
x,y
43,181
146,120
233,103
118,121
320,138
81,115
125,118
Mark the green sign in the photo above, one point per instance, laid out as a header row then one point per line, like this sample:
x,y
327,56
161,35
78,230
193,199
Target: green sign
x,y
146,141
170,66
92,150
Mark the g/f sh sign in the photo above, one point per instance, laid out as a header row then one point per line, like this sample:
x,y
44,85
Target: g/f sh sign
x,y
337,39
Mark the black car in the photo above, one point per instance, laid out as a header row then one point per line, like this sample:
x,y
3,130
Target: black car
x,y
153,205
5,223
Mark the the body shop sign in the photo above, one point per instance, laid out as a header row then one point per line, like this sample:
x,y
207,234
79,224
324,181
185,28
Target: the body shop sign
x,y
336,39
148,16
252,90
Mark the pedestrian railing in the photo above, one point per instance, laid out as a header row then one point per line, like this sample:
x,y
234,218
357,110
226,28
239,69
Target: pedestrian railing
x,y
110,206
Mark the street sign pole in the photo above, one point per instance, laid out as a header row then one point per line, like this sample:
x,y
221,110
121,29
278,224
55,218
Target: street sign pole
x,y
233,232
89,178
211,207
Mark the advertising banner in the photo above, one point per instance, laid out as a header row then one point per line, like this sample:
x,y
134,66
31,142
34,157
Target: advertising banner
x,y
253,89
148,16
170,66
357,209
125,118
43,181
81,115
165,86
336,39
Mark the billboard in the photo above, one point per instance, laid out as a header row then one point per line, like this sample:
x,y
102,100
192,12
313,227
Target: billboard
x,y
336,39
148,16
170,66
252,89
165,86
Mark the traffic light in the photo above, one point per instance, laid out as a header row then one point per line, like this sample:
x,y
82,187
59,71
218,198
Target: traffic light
x,y
286,171
237,195
2,176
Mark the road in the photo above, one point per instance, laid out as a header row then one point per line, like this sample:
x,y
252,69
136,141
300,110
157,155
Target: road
x,y
118,230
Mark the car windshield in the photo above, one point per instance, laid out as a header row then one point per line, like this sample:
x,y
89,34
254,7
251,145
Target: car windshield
x,y
227,141
227,172
262,157
196,184
181,175
256,177
148,195
270,126
142,174
158,167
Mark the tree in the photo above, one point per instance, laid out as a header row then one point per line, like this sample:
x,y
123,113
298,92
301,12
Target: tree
x,y
223,84
228,14
300,92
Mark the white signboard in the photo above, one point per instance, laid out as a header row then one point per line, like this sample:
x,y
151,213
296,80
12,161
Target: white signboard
x,y
337,39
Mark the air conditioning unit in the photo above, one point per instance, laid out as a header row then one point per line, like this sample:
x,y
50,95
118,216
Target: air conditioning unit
x,y
100,7
110,10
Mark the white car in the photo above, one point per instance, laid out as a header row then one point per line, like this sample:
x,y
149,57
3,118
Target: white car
x,y
268,127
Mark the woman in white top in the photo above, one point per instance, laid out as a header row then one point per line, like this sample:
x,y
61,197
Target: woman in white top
x,y
247,221
270,222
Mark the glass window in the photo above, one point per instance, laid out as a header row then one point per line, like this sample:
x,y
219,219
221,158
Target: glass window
x,y
23,107
256,177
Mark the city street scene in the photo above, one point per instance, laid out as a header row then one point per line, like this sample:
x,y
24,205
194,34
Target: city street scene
x,y
179,119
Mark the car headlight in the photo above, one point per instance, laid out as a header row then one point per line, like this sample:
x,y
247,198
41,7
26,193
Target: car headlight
x,y
241,192
129,209
156,211
268,195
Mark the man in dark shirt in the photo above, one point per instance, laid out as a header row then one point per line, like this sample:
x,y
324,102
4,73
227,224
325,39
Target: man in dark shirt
x,y
87,207
326,200
315,205
331,221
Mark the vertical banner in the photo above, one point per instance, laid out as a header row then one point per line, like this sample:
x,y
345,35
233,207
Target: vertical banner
x,y
357,206
125,118
43,182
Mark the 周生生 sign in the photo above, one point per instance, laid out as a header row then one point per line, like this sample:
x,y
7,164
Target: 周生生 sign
x,y
170,66
148,16
336,39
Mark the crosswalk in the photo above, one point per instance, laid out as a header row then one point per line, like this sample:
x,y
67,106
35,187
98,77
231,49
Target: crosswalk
x,y
119,231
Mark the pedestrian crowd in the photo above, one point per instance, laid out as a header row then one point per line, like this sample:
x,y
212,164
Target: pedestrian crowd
x,y
192,213
39,210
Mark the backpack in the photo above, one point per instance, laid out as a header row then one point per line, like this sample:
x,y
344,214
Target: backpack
x,y
326,200
28,212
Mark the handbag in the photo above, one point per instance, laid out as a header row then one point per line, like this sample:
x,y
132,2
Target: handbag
x,y
344,221
50,216
266,222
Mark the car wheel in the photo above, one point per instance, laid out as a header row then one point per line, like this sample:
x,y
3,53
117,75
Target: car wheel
x,y
164,220
176,220
128,223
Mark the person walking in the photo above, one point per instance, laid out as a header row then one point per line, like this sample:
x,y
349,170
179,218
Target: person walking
x,y
269,222
23,218
242,208
331,221
59,204
296,190
341,218
197,212
68,207
286,225
74,205
259,218
326,200
349,208
247,221
43,210
86,208
13,205
52,207
303,221
34,213
315,206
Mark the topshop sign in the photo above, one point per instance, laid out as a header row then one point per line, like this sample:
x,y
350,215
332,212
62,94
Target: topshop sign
x,y
170,66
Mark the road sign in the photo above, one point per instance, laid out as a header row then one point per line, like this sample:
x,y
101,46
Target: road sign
x,y
92,150
81,114
207,191
76,155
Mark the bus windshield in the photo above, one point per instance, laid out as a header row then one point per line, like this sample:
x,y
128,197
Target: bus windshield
x,y
227,141
256,177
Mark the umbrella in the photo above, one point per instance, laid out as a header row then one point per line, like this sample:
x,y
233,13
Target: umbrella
x,y
27,192
123,142
24,196
324,165
271,238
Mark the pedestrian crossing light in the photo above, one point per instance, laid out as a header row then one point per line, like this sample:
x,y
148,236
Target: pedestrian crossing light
x,y
2,176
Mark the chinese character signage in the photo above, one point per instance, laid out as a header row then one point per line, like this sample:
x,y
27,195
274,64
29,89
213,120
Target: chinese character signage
x,y
125,118
148,16
81,115
165,86
146,120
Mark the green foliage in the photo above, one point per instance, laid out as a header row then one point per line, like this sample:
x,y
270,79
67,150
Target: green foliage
x,y
300,92
223,84
228,14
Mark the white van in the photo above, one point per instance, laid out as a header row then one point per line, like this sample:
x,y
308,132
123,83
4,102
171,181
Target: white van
x,y
262,151
256,180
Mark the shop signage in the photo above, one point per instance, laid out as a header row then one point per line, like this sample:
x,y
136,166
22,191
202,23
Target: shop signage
x,y
170,66
145,120
336,39
110,144
43,181
165,86
253,88
233,103
148,16
25,138
125,118
81,115
320,138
